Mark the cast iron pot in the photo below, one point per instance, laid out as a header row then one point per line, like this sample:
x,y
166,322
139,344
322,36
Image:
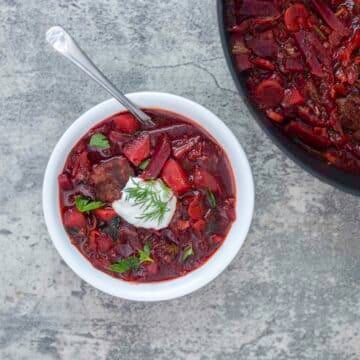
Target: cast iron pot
x,y
314,165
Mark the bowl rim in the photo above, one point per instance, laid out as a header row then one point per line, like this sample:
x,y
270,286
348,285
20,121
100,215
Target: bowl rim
x,y
168,289
313,165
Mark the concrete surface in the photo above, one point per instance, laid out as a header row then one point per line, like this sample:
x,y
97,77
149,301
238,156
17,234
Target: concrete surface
x,y
292,293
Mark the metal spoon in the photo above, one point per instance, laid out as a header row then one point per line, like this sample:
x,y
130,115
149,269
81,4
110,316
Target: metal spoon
x,y
62,42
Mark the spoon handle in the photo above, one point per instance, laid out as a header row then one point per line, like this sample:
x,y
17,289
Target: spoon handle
x,y
62,42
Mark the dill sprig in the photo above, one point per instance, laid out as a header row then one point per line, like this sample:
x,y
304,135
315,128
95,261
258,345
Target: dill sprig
x,y
147,197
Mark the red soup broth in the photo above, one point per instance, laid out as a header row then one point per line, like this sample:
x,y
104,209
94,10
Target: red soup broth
x,y
186,158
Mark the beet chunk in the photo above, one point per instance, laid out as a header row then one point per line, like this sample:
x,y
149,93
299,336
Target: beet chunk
x,y
295,17
243,62
269,93
138,149
315,137
349,109
126,122
311,54
109,178
175,177
161,154
293,65
263,44
74,219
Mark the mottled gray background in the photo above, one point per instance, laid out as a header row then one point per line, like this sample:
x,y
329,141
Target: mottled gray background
x,y
292,292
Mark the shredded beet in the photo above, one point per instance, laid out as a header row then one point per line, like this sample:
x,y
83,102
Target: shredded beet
x,y
301,62
330,18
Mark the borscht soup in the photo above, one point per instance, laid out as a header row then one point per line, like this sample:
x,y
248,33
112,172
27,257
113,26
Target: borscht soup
x,y
147,203
301,63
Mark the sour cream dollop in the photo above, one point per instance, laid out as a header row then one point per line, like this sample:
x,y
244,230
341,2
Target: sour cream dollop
x,y
136,211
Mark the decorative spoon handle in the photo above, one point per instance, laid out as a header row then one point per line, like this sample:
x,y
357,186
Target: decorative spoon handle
x,y
62,42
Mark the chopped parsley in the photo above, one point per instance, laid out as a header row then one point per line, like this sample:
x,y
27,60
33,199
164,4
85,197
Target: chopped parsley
x,y
133,262
145,255
99,141
124,265
84,204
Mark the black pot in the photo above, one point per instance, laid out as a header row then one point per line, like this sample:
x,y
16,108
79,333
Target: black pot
x,y
310,162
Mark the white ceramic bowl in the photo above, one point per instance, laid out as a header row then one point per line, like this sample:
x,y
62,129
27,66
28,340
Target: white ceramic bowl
x,y
163,290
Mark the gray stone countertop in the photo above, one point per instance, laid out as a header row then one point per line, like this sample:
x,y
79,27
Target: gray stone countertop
x,y
293,292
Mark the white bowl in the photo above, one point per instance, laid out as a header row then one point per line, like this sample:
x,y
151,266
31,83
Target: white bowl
x,y
163,290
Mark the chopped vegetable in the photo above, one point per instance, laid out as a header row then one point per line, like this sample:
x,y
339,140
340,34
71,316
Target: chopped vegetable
x,y
275,116
292,97
330,18
269,93
124,265
119,139
144,164
352,45
138,149
204,179
263,63
161,154
144,254
309,52
199,225
99,141
317,137
295,17
74,219
211,198
104,242
65,182
175,177
133,262
126,122
243,62
196,209
263,44
183,146
84,204
188,251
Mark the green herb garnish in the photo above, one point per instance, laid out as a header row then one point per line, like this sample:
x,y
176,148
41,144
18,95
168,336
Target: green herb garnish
x,y
144,164
211,198
84,204
188,251
124,265
133,262
100,141
147,197
144,255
